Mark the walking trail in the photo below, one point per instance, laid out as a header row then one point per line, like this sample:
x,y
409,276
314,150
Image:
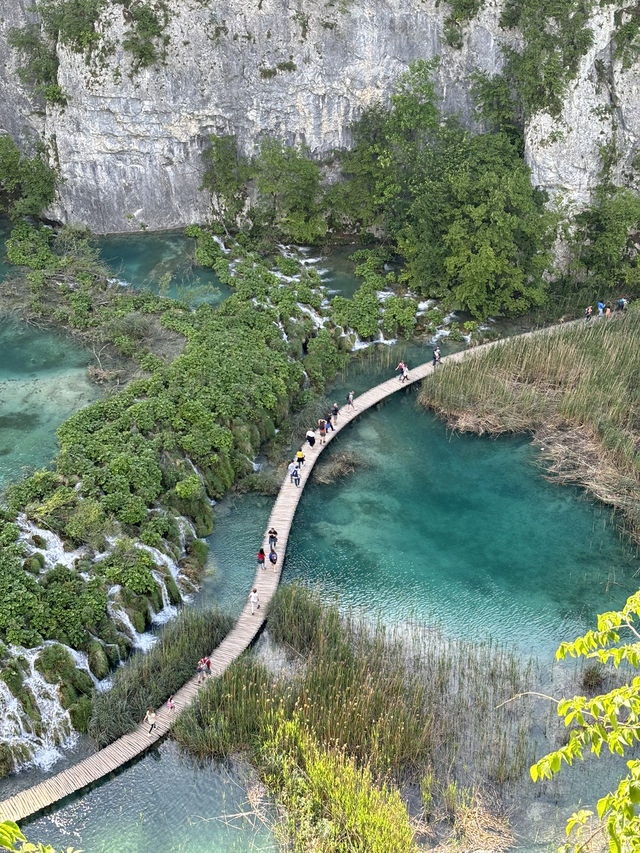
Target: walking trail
x,y
128,747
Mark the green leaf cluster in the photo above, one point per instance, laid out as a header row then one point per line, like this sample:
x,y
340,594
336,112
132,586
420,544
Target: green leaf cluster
x,y
11,838
27,184
611,720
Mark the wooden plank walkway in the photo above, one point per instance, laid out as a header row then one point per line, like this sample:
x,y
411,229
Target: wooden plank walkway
x,y
128,747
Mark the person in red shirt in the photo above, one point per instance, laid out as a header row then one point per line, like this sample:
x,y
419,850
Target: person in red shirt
x,y
261,558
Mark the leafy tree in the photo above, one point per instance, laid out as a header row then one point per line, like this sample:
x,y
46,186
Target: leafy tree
x,y
606,241
611,720
27,184
226,178
289,185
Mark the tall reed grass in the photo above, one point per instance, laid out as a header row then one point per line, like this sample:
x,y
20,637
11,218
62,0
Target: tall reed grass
x,y
394,701
576,388
148,680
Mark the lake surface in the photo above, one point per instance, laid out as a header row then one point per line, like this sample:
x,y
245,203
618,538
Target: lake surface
x,y
43,380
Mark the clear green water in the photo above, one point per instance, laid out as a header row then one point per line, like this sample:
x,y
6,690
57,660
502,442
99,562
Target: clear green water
x,y
43,380
142,260
457,530
164,802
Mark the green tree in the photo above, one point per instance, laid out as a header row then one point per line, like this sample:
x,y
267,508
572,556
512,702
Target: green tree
x,y
27,184
289,185
226,178
611,720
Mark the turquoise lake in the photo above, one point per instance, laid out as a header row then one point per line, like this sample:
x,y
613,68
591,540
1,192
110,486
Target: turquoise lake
x,y
459,532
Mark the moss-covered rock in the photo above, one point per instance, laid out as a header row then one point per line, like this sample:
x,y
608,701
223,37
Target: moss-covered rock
x,y
98,660
12,676
67,694
80,712
55,663
199,550
39,541
82,681
34,563
172,589
6,760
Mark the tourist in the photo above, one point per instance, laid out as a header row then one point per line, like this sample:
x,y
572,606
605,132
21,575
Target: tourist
x,y
207,665
273,558
400,366
330,425
621,304
261,558
171,705
293,470
436,356
150,717
608,311
335,410
254,600
350,400
311,437
273,537
405,374
300,458
600,307
588,312
200,671
296,476
322,428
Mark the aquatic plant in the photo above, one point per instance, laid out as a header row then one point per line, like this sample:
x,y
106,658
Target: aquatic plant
x,y
386,702
574,388
149,680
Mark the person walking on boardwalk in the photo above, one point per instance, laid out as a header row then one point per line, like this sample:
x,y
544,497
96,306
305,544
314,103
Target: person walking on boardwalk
x,y
273,558
436,356
322,429
311,437
300,458
293,470
608,311
588,312
254,600
350,396
200,669
400,366
261,558
273,537
150,717
335,410
405,374
330,425
171,705
600,307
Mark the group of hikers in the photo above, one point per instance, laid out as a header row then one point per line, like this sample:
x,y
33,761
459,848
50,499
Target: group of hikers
x,y
605,309
203,668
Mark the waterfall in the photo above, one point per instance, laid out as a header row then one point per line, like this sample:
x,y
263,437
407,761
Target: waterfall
x,y
30,743
120,615
54,553
159,558
169,611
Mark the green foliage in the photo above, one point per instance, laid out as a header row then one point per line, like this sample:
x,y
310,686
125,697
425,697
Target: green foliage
x,y
27,185
145,39
556,36
627,35
332,805
11,838
399,316
130,567
605,243
498,106
289,185
226,176
150,679
611,720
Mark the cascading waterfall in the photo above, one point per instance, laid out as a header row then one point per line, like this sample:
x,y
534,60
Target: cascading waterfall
x,y
54,553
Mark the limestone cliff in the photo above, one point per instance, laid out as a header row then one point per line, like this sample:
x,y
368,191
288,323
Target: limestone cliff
x,y
128,144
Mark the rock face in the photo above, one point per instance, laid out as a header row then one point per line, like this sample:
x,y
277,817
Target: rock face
x,y
128,144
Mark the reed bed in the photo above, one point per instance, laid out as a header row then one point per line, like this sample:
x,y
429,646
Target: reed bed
x,y
577,389
397,702
148,680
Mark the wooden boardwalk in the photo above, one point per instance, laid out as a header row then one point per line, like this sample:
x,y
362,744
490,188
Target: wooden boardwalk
x,y
128,747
